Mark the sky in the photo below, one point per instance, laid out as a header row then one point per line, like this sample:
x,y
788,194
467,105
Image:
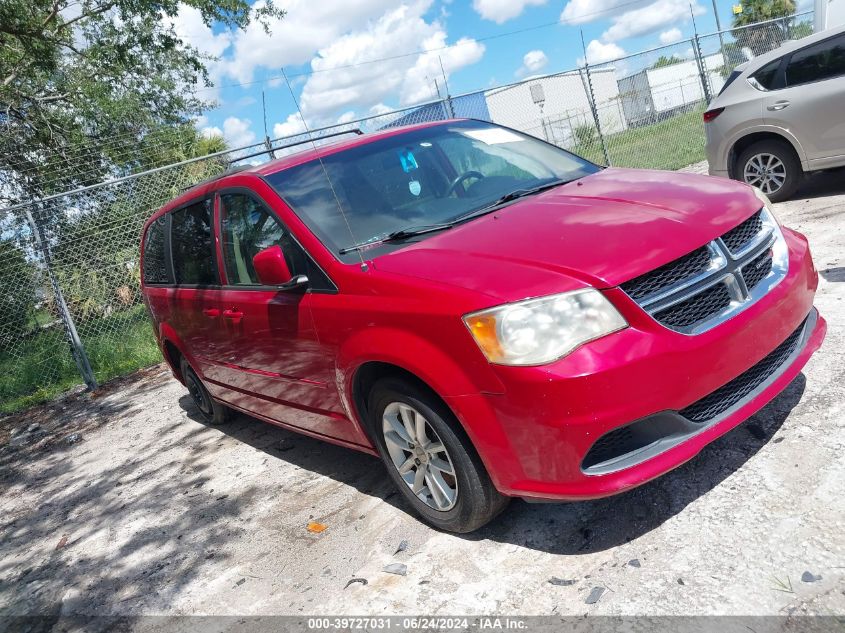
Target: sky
x,y
348,59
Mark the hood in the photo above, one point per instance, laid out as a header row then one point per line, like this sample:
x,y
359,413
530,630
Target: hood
x,y
599,231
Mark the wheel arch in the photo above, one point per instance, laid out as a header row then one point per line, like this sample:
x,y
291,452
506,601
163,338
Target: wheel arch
x,y
747,140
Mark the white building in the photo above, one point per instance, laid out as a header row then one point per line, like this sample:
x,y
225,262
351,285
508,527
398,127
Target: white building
x,y
552,107
828,13
655,93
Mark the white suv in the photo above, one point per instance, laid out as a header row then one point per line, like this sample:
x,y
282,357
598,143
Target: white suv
x,y
780,115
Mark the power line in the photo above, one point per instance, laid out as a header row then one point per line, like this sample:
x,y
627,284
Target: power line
x,y
416,53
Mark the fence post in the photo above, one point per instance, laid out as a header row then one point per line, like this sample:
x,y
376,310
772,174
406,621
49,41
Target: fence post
x,y
588,84
702,68
79,355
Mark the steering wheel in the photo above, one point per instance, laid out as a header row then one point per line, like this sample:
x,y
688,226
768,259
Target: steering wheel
x,y
459,179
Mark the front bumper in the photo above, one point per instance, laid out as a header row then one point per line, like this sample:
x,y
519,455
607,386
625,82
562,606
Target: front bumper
x,y
534,438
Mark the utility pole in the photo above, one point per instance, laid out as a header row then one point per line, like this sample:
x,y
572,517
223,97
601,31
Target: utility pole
x,y
719,29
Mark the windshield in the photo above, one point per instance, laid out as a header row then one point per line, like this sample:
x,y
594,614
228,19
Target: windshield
x,y
421,178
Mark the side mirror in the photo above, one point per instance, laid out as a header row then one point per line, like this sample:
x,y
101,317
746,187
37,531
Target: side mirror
x,y
272,269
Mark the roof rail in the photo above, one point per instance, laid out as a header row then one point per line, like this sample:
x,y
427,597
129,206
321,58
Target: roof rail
x,y
269,150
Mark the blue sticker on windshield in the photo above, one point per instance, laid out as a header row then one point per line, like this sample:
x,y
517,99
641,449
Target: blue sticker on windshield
x,y
409,163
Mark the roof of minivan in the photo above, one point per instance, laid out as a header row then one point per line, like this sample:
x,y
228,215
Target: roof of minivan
x,y
787,47
296,158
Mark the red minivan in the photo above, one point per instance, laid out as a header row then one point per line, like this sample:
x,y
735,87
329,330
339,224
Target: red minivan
x,y
490,315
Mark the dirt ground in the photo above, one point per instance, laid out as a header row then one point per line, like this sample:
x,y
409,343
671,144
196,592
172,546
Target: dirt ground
x,y
126,503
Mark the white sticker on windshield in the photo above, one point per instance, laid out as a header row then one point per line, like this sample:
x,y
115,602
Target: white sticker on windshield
x,y
415,187
493,136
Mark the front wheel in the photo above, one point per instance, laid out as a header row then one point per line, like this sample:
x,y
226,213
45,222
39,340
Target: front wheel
x,y
430,459
771,166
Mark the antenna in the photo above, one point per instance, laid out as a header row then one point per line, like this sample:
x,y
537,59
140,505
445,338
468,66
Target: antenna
x,y
325,171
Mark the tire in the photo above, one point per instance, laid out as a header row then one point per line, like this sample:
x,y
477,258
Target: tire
x,y
772,166
475,502
212,411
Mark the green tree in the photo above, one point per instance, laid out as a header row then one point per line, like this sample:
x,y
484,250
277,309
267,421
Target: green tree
x,y
761,38
83,80
664,61
17,293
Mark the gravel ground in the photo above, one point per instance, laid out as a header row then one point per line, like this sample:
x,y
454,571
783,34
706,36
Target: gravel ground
x,y
124,502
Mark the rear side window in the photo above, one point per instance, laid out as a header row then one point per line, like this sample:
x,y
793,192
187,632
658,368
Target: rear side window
x,y
155,260
731,78
249,227
818,62
191,245
765,78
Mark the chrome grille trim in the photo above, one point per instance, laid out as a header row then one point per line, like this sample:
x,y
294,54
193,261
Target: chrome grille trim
x,y
726,267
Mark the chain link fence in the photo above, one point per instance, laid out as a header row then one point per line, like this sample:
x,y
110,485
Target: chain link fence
x,y
72,313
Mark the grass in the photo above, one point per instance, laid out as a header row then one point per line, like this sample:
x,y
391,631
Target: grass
x,y
669,144
44,368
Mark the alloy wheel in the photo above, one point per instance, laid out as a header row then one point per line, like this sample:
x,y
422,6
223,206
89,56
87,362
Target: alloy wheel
x,y
419,456
766,172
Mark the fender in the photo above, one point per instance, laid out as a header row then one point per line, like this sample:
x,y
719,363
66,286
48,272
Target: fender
x,y
431,365
166,334
771,129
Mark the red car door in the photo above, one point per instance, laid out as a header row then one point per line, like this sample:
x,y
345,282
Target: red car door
x,y
272,363
194,306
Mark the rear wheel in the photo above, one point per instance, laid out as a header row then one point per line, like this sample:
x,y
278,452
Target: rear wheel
x,y
430,459
213,412
771,166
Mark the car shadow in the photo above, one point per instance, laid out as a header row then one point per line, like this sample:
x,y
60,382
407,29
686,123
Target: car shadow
x,y
833,274
558,528
821,184
359,470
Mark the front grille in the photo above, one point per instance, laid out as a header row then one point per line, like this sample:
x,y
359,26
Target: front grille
x,y
610,445
701,289
742,235
757,270
739,388
697,308
661,278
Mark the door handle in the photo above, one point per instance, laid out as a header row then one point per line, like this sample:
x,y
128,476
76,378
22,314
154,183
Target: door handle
x,y
212,313
233,315
778,105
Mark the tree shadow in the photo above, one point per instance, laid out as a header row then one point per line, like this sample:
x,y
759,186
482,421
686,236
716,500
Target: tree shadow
x,y
363,472
833,274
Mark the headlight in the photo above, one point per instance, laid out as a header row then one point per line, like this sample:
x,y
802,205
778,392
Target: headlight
x,y
538,331
767,204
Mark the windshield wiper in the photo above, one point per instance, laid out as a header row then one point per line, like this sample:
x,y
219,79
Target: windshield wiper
x,y
401,234
411,231
508,197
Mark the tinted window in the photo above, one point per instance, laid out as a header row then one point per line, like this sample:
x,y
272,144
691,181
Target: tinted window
x,y
249,227
155,261
817,62
731,78
190,239
422,177
764,79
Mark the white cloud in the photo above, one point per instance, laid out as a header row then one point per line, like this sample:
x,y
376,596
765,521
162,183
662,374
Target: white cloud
x,y
189,26
649,19
358,86
532,62
599,52
211,131
292,125
500,11
307,27
237,132
671,36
